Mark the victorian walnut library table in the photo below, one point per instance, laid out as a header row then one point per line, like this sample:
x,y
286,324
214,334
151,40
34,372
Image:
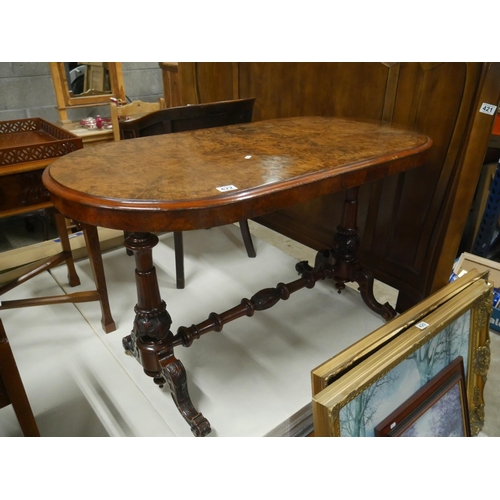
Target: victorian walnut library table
x,y
216,176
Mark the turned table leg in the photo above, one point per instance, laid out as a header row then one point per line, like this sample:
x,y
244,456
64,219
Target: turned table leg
x,y
151,340
346,264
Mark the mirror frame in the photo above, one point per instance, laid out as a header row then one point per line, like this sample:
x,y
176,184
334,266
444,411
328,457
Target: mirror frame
x,y
65,100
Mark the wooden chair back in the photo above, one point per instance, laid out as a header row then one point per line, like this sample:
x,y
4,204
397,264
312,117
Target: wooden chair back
x,y
190,117
118,112
12,388
182,119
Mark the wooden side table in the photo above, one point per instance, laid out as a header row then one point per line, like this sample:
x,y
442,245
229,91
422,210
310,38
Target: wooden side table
x,y
27,147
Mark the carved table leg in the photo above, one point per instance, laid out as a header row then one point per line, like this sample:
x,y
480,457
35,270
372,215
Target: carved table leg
x,y
346,265
151,340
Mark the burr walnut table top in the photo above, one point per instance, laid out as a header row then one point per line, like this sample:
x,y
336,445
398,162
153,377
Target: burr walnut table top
x,y
169,182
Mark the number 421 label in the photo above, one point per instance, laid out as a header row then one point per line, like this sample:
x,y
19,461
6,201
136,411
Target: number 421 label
x,y
489,109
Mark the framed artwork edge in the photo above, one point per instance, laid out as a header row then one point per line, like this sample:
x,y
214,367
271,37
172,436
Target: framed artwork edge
x,y
327,372
357,377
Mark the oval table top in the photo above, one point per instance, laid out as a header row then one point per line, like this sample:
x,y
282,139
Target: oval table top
x,y
210,177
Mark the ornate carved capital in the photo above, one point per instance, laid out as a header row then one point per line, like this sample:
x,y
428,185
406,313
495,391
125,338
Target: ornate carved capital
x,y
154,324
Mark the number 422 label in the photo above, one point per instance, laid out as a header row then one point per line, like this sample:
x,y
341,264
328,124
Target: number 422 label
x,y
223,189
489,109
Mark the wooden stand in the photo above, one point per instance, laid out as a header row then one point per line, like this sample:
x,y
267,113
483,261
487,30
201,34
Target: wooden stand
x,y
27,147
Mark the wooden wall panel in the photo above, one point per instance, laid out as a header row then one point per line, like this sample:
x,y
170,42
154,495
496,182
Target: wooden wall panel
x,y
326,89
410,224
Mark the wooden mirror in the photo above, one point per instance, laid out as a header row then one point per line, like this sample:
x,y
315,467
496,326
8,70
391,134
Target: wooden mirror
x,y
98,83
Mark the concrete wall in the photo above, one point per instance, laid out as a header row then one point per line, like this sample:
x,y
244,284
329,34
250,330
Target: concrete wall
x,y
26,90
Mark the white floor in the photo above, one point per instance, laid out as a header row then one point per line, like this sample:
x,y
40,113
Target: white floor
x,y
252,379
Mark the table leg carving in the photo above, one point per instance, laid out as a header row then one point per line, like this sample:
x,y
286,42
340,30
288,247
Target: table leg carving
x,y
151,341
347,267
176,377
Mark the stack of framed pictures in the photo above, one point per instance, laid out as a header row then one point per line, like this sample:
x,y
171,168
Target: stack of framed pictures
x,y
421,374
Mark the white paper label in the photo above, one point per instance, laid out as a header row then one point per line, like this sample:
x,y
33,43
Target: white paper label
x,y
489,109
223,189
422,325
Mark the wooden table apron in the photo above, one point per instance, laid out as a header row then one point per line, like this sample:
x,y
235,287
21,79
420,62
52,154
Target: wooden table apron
x,y
210,177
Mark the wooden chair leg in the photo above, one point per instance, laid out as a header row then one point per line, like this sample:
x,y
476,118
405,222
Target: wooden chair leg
x,y
247,238
95,258
179,259
60,221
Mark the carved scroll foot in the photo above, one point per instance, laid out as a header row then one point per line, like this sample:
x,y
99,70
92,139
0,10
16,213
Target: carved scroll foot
x,y
175,375
365,280
159,363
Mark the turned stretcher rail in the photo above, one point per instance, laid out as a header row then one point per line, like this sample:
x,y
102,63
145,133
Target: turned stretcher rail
x,y
262,300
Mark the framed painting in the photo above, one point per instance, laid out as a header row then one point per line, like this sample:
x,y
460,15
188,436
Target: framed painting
x,y
367,382
438,409
335,367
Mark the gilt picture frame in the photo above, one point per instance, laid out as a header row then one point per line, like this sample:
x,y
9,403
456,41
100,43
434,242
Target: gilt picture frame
x,y
326,373
382,372
438,409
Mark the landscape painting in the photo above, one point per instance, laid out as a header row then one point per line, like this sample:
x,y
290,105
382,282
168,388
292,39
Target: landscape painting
x,y
360,415
438,409
443,419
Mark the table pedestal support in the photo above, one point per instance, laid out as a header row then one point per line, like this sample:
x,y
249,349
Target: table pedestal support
x,y
347,267
151,340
